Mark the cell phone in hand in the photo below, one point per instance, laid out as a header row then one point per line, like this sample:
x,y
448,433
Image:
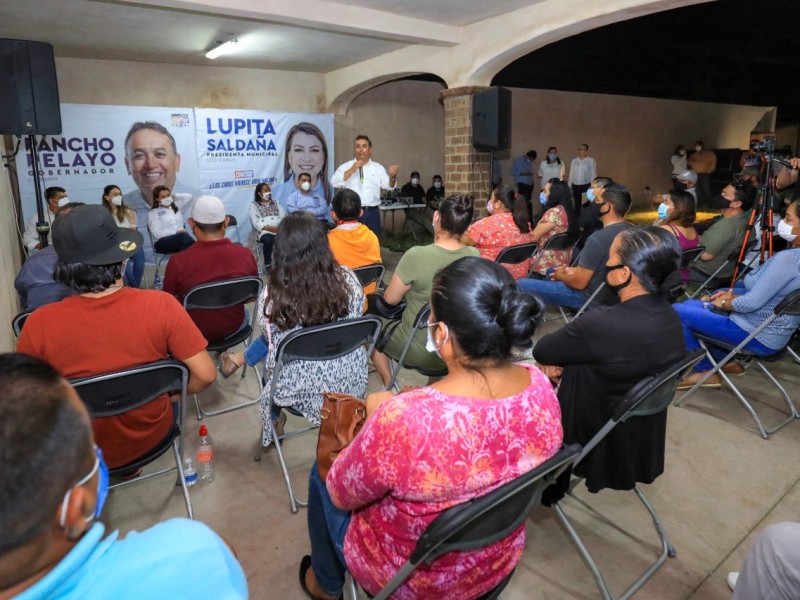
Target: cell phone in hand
x,y
719,311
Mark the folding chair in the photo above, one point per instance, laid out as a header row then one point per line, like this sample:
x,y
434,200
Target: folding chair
x,y
420,322
733,257
18,321
513,255
224,294
317,343
232,222
649,397
790,305
158,282
584,307
560,241
119,392
485,520
369,274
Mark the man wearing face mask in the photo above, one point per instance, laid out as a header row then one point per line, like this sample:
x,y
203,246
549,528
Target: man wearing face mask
x,y
434,195
413,189
53,545
572,286
704,163
56,198
724,236
304,198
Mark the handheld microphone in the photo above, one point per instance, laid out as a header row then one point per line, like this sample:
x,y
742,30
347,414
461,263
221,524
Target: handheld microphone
x,y
361,174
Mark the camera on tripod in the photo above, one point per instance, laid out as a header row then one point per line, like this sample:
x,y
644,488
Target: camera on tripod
x,y
767,144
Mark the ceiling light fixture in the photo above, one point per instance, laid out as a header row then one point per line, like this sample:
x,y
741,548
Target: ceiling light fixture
x,y
222,48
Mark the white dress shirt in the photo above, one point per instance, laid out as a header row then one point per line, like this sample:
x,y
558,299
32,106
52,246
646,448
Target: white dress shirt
x,y
31,237
375,177
583,171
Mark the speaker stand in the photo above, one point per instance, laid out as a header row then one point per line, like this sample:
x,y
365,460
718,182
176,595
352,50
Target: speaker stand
x,y
42,225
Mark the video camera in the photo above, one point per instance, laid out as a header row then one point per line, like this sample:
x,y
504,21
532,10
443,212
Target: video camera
x,y
767,144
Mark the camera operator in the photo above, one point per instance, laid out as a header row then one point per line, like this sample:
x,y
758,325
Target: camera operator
x,y
789,176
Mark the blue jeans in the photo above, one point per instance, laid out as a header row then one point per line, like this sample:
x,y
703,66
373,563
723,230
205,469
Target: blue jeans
x,y
553,292
695,318
327,526
134,271
256,351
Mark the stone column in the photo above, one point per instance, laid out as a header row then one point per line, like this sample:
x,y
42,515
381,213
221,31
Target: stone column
x,y
466,171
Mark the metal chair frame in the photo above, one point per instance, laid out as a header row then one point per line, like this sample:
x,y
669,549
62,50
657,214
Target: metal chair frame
x,y
224,294
19,321
369,274
560,241
650,396
233,222
789,305
584,307
732,257
317,343
518,253
119,392
420,322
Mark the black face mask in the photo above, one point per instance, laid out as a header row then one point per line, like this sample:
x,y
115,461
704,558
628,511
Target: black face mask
x,y
616,288
719,201
600,211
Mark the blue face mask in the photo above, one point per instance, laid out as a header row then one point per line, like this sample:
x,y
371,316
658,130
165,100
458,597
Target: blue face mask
x,y
543,198
102,488
590,195
663,211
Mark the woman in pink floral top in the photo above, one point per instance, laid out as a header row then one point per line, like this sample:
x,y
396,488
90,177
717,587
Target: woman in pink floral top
x,y
558,218
507,225
421,452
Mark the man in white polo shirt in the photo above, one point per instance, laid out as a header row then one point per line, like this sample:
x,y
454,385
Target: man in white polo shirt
x,y
366,177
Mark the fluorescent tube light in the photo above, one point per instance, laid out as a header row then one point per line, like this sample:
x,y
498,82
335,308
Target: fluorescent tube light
x,y
223,48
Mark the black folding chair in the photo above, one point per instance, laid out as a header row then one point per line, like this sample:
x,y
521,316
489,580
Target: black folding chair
x,y
485,520
649,397
420,323
119,392
224,294
560,241
513,255
317,343
790,305
233,222
19,320
369,274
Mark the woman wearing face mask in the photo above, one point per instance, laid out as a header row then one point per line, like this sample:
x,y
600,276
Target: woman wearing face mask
x,y
749,304
125,217
678,166
678,215
412,281
507,225
789,227
165,223
552,166
600,356
559,217
486,422
265,216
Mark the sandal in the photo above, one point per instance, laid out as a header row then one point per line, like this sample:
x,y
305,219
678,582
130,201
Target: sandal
x,y
305,565
229,366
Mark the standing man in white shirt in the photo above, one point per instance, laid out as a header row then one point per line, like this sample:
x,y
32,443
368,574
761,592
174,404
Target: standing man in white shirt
x,y
366,177
582,171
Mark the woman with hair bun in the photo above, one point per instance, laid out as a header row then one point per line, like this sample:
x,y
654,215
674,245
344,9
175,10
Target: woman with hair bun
x,y
420,452
412,280
600,356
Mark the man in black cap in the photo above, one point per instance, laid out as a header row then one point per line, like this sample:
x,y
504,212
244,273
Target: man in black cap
x,y
106,327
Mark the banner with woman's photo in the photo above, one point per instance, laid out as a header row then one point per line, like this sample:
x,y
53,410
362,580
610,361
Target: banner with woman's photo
x,y
191,151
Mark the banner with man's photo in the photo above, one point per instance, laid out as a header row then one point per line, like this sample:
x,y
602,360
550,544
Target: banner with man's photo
x,y
191,151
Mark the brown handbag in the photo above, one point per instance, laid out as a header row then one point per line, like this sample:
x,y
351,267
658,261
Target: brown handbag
x,y
342,417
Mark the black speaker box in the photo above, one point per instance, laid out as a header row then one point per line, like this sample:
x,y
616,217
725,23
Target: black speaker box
x,y
491,119
28,89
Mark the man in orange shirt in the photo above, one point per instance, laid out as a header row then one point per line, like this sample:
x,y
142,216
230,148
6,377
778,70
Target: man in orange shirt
x,y
352,243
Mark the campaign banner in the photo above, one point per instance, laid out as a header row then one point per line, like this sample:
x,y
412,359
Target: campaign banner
x,y
238,149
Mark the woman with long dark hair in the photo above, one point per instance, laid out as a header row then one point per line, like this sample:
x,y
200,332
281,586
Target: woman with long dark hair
x,y
552,166
265,216
507,225
305,286
679,214
125,217
165,223
306,152
558,217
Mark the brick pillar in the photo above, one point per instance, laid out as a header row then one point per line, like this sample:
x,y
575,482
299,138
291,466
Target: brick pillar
x,y
466,171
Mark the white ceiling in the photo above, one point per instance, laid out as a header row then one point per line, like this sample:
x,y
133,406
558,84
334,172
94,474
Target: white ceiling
x,y
270,34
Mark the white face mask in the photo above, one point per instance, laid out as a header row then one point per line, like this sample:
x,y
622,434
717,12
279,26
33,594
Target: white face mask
x,y
698,148
166,201
305,186
785,231
437,184
414,181
266,196
63,202
116,201
430,344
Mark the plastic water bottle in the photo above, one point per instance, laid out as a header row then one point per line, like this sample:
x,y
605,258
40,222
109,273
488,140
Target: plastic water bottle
x,y
205,456
189,474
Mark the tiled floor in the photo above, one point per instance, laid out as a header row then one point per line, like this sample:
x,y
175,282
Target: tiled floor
x,y
722,484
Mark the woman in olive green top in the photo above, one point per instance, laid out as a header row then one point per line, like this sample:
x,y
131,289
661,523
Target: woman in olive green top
x,y
413,278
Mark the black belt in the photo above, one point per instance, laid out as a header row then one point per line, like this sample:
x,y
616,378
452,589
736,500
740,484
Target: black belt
x,y
368,208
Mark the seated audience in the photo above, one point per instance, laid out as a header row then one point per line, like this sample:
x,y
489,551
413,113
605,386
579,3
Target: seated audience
x,y
678,215
598,357
34,282
434,195
687,182
306,287
772,567
165,223
56,198
558,218
265,216
413,189
412,280
55,483
749,304
106,327
353,244
589,218
304,197
212,258
573,286
507,225
724,236
125,217
413,459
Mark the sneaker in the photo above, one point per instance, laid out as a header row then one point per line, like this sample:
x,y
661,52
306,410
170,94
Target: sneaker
x,y
714,381
733,577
